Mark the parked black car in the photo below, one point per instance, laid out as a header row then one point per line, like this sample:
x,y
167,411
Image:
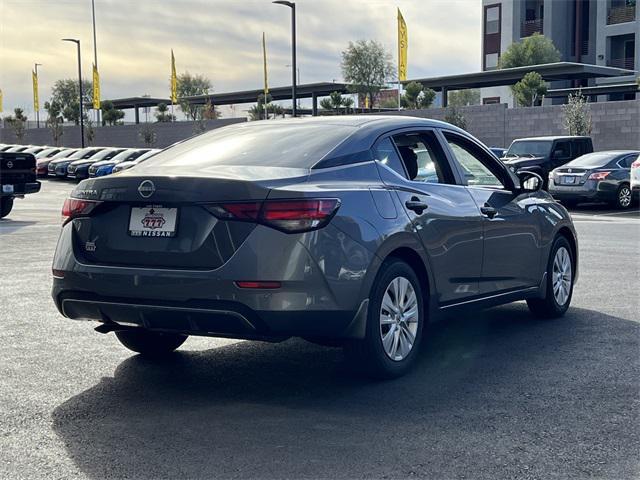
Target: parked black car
x,y
17,177
543,154
596,177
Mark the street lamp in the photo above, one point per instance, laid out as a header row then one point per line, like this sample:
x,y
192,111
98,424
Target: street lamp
x,y
298,81
36,65
292,6
77,42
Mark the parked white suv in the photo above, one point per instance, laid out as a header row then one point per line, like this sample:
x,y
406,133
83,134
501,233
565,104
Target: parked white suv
x,y
635,180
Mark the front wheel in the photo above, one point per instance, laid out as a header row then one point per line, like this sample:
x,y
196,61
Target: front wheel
x,y
150,344
559,282
6,204
623,197
395,321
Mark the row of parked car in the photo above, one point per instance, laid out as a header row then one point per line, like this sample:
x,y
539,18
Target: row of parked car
x,y
573,173
81,163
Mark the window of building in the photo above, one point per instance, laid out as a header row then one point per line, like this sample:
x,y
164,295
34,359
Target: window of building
x,y
491,61
492,20
490,100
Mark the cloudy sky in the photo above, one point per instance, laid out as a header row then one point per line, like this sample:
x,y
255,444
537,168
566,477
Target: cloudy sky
x,y
220,39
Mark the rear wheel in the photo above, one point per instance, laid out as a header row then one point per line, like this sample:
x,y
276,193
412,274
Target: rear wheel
x,y
150,344
623,197
6,204
559,282
394,323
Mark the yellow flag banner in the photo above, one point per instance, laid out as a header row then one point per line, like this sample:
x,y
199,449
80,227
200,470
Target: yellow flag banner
x,y
403,44
96,88
264,65
36,103
0,101
174,80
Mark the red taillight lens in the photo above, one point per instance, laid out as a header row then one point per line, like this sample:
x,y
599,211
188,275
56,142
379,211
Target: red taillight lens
x,y
599,175
292,216
74,207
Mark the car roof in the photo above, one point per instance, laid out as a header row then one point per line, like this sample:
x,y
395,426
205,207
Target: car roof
x,y
360,121
553,137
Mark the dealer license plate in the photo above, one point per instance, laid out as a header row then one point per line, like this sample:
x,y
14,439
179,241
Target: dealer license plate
x,y
153,222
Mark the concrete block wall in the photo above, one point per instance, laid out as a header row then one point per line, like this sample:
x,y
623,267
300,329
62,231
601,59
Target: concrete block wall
x,y
118,136
615,125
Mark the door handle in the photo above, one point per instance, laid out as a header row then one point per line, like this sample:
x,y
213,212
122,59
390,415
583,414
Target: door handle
x,y
488,211
416,205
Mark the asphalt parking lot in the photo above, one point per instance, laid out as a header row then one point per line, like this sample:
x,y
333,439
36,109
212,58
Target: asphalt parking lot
x,y
495,394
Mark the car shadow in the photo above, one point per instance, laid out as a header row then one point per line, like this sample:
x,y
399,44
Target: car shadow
x,y
496,394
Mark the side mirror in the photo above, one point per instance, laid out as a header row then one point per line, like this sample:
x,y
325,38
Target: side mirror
x,y
530,181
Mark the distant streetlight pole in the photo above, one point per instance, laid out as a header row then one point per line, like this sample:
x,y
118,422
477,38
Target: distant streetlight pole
x,y
298,81
77,42
292,6
36,65
95,49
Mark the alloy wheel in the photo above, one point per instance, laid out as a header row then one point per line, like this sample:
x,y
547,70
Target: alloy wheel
x,y
399,316
562,276
624,197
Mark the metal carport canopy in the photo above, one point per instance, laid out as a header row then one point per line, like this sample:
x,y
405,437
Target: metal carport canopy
x,y
511,76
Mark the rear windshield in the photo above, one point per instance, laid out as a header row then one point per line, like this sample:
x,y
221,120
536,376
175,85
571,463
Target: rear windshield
x,y
536,148
296,145
592,160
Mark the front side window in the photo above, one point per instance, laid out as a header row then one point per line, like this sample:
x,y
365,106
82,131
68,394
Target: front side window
x,y
471,161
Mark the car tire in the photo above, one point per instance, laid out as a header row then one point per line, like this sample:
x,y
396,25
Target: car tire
x,y
623,197
150,344
559,282
394,325
6,204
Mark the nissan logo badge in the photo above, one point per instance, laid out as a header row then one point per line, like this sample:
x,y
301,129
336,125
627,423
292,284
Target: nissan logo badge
x,y
9,164
146,189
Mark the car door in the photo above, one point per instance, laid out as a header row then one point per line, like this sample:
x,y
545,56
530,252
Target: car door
x,y
443,214
511,222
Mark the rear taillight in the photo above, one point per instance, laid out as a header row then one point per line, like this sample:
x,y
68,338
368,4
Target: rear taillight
x,y
74,207
599,175
291,216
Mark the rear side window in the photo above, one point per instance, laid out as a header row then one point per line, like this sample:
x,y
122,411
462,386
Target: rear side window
x,y
562,149
385,152
627,161
274,144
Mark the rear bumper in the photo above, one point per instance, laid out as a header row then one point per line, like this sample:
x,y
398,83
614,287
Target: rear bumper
x,y
314,298
591,191
22,189
216,318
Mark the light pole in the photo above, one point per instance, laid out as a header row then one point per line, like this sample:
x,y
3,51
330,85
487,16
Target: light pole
x,y
298,81
36,65
292,6
95,50
77,42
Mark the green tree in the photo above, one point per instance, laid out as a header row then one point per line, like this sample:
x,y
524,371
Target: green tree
x,y
463,98
416,96
66,93
528,90
18,123
534,50
110,114
336,102
455,117
148,135
188,86
577,115
54,120
257,111
162,114
367,66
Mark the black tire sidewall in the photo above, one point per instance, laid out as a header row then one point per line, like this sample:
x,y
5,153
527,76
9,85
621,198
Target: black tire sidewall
x,y
382,365
6,205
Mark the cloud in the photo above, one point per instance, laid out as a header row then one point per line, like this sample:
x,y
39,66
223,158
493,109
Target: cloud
x,y
221,40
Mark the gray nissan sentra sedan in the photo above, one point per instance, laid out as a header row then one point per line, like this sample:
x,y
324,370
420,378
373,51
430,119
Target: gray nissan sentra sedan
x,y
351,230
